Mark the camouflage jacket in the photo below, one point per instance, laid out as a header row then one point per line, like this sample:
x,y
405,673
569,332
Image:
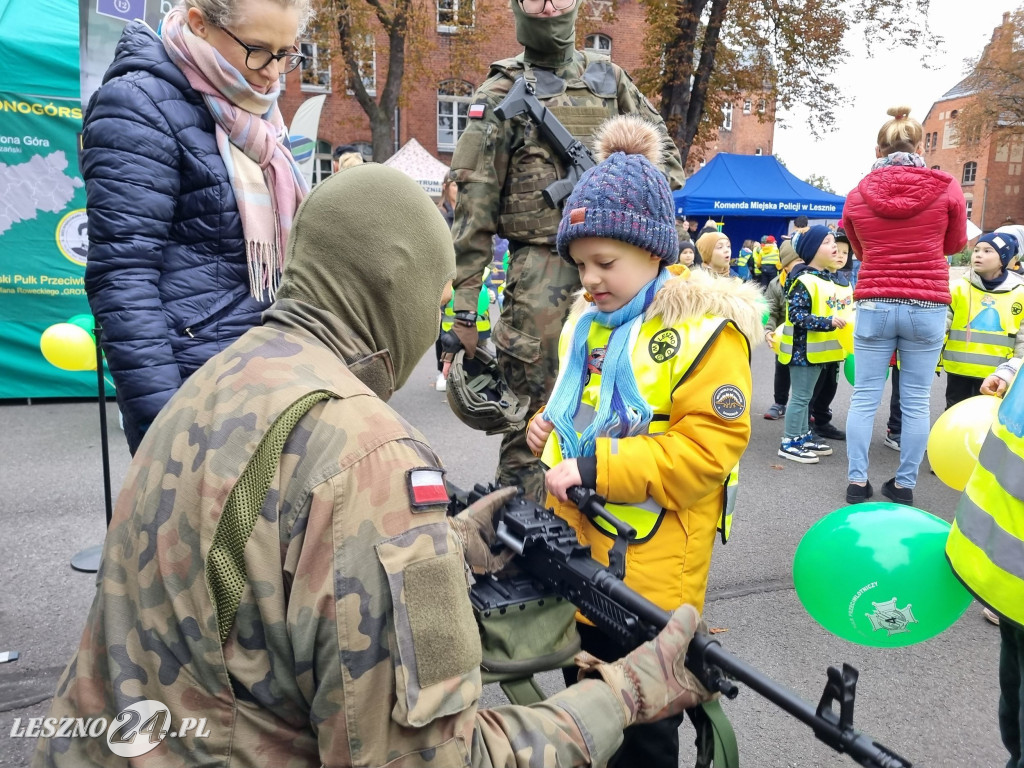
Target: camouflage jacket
x,y
354,642
502,167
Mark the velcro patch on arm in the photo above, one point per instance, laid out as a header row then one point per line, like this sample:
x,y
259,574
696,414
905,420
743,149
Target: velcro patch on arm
x,y
444,632
476,111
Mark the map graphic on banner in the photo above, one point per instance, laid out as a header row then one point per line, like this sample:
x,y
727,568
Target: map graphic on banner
x,y
41,184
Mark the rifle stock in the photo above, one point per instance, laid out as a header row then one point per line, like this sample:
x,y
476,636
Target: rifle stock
x,y
548,550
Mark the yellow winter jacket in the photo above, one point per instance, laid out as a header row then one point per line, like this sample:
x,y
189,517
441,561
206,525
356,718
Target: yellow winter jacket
x,y
683,466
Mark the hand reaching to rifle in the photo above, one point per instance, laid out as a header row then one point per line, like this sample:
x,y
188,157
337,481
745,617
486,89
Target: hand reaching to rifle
x,y
652,681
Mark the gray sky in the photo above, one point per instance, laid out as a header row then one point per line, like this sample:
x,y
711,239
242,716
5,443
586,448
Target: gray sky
x,y
890,77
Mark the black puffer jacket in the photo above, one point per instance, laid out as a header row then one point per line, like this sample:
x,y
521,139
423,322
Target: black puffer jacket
x,y
167,276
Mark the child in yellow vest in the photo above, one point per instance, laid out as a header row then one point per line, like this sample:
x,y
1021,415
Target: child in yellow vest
x,y
983,322
650,407
813,307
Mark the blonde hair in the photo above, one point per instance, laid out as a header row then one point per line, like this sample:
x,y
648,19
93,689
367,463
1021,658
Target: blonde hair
x,y
902,133
224,13
349,159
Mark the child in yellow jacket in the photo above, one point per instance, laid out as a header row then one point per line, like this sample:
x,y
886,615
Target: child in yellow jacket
x,y
651,404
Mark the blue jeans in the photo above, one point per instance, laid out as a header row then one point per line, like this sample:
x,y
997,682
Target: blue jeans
x,y
917,334
802,378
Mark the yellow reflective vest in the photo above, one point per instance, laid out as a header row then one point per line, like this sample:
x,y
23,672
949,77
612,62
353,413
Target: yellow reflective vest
x,y
986,543
984,329
483,309
678,488
769,256
827,299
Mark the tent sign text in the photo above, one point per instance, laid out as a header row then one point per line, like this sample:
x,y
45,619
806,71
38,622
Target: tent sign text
x,y
781,205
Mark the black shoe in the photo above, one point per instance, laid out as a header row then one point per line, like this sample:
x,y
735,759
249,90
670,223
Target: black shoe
x,y
858,493
827,431
899,495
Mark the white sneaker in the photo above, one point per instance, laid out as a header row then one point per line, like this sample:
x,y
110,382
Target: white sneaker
x,y
440,384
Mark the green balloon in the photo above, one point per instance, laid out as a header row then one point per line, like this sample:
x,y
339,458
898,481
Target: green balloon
x,y
86,322
876,574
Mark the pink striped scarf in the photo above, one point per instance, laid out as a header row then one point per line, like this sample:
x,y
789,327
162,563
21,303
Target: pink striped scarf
x,y
267,184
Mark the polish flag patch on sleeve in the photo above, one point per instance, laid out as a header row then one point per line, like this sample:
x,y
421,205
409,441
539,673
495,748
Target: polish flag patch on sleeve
x,y
426,487
476,111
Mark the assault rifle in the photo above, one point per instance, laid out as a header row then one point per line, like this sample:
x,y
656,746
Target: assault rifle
x,y
522,99
549,552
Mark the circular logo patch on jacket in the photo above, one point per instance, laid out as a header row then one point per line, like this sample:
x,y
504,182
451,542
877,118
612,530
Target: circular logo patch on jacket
x,y
1015,309
729,402
664,345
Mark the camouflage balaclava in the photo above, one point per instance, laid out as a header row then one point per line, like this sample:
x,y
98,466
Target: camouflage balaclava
x,y
369,246
549,42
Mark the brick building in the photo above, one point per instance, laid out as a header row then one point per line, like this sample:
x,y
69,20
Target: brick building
x,y
988,168
435,109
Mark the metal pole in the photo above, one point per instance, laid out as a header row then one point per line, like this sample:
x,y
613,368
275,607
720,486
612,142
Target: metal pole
x,y
88,560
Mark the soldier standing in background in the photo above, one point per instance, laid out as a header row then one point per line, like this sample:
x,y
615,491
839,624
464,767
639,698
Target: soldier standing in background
x,y
502,169
280,562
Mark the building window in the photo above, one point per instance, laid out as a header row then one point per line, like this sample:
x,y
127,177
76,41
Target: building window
x,y
936,168
316,69
452,14
760,105
927,142
367,61
453,100
746,106
935,140
727,116
283,80
970,171
322,161
758,152
970,208
599,44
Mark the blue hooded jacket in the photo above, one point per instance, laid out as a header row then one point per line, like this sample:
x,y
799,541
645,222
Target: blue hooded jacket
x,y
167,276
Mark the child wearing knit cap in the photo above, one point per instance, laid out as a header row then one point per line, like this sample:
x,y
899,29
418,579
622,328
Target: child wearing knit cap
x,y
983,321
688,254
715,252
813,304
663,455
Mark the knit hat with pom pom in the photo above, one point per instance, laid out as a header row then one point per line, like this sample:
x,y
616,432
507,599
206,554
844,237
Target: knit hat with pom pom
x,y
624,197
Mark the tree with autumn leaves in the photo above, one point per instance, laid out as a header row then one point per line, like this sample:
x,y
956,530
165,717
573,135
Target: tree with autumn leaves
x,y
699,54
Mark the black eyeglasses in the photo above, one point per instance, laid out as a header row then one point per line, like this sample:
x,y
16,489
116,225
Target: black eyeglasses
x,y
257,58
536,7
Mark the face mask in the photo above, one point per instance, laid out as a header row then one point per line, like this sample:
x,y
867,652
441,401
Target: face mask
x,y
549,41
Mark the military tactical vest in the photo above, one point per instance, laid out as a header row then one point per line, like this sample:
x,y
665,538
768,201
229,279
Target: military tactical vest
x,y
581,100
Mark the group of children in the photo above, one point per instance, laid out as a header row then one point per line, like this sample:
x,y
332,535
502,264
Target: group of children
x,y
651,404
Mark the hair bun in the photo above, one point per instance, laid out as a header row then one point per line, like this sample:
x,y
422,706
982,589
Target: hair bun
x,y
632,135
900,113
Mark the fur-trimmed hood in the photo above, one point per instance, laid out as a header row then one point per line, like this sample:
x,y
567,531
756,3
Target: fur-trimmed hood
x,y
694,293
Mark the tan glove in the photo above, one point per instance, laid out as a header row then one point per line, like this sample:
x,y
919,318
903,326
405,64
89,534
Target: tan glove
x,y
468,335
475,528
652,682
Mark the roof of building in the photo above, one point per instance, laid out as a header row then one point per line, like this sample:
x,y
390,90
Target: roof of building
x,y
963,88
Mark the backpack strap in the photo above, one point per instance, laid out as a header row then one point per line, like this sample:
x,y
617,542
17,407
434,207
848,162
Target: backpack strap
x,y
225,562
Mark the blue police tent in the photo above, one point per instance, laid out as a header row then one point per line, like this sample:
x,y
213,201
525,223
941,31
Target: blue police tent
x,y
754,196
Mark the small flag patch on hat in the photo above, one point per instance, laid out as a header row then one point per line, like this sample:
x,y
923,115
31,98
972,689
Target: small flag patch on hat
x,y
476,111
426,487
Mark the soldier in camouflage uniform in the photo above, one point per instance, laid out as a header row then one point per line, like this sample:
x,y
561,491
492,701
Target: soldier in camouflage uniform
x,y
502,169
280,561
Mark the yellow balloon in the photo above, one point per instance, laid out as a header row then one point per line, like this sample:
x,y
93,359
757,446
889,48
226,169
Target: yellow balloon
x,y
845,334
776,342
956,437
69,347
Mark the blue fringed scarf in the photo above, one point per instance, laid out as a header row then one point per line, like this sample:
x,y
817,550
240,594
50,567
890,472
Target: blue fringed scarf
x,y
622,410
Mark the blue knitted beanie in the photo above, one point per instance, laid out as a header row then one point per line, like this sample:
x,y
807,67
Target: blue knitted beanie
x,y
1003,243
806,244
625,197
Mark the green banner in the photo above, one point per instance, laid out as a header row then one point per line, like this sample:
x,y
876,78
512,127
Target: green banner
x,y
43,242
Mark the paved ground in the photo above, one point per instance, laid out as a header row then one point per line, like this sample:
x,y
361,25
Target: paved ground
x,y
935,703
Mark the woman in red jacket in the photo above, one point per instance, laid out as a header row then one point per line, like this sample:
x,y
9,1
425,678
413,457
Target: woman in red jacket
x,y
902,219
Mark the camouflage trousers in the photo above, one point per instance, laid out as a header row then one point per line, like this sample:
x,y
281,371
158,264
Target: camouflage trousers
x,y
539,288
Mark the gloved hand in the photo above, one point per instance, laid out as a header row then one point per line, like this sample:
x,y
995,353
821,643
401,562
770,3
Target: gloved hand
x,y
468,335
475,528
652,682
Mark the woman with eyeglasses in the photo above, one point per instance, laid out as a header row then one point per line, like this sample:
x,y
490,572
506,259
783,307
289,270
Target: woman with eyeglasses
x,y
191,191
